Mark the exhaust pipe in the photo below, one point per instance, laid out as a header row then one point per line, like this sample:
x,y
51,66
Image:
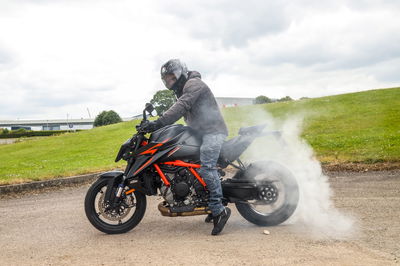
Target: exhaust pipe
x,y
166,211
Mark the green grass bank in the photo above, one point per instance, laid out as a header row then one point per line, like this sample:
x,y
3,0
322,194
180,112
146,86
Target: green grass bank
x,y
361,127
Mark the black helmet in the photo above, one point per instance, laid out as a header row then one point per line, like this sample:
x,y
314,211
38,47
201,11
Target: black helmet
x,y
176,70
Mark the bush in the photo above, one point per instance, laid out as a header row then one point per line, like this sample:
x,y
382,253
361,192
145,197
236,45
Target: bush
x,y
19,130
263,99
107,118
34,133
285,99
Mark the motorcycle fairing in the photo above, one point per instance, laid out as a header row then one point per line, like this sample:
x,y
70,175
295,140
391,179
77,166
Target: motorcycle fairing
x,y
180,142
144,161
152,147
124,148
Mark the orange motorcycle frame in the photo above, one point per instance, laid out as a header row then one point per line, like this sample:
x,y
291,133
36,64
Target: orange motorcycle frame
x,y
180,163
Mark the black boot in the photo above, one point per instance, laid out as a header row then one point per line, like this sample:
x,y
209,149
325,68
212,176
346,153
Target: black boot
x,y
220,221
209,218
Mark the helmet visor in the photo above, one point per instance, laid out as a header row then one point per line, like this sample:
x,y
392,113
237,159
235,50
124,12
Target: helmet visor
x,y
169,80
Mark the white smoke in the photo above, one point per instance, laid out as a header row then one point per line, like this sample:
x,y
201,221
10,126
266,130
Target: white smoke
x,y
315,212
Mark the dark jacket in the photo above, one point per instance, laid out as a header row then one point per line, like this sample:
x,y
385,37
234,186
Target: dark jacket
x,y
198,106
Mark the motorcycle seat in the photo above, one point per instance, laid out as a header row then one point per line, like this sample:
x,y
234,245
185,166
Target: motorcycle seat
x,y
233,148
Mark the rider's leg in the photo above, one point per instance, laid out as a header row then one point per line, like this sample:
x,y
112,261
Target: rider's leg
x,y
209,153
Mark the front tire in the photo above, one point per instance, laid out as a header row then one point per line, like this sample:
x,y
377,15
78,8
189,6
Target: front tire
x,y
268,172
129,215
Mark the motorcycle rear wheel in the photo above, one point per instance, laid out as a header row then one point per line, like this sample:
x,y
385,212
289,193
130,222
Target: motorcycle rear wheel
x,y
129,214
287,195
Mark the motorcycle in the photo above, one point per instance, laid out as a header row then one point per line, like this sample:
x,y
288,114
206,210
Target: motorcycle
x,y
166,164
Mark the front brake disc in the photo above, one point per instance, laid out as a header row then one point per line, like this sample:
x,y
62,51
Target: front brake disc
x,y
117,214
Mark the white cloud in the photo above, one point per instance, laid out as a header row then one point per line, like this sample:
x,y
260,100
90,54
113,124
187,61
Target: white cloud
x,y
59,57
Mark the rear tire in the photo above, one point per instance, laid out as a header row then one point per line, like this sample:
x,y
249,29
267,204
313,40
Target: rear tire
x,y
92,200
267,170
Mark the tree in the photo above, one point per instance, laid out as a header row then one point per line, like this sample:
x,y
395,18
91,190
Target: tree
x,y
107,118
263,99
163,100
285,99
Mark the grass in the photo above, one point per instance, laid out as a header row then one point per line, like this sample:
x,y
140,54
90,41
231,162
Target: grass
x,y
356,127
63,155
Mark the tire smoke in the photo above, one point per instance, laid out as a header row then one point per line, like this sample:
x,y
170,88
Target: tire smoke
x,y
315,213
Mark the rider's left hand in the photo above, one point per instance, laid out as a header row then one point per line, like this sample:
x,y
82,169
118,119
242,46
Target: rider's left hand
x,y
151,126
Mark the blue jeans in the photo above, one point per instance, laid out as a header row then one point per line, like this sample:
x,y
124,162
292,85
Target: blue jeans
x,y
209,153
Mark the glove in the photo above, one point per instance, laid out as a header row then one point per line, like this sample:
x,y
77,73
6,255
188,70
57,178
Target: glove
x,y
151,126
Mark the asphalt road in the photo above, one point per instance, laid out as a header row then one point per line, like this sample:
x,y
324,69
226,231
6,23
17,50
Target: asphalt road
x,y
51,229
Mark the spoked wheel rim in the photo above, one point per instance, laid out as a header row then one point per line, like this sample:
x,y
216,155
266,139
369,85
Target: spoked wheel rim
x,y
118,216
271,195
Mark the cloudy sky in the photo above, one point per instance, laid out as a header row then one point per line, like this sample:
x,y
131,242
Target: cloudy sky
x,y
60,57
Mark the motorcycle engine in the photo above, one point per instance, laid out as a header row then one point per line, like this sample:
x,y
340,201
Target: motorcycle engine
x,y
184,189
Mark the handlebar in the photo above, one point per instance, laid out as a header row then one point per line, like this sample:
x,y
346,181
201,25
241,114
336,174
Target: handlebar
x,y
139,127
144,116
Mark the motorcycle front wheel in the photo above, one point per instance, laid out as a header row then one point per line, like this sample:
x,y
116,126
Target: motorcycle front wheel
x,y
278,194
120,219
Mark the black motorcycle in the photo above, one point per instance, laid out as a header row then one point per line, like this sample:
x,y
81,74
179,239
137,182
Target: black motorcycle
x,y
265,193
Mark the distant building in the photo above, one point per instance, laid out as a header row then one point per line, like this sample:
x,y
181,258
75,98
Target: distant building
x,y
19,127
51,124
232,101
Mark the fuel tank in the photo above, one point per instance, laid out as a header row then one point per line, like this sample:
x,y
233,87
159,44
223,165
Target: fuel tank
x,y
186,140
187,144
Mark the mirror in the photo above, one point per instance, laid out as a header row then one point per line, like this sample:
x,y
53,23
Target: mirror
x,y
149,108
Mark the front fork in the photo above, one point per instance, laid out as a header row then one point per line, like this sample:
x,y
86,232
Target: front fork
x,y
122,184
113,199
119,191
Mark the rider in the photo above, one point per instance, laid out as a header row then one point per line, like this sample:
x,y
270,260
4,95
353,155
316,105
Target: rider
x,y
196,103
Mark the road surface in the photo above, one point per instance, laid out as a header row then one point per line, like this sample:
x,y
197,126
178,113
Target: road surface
x,y
51,229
